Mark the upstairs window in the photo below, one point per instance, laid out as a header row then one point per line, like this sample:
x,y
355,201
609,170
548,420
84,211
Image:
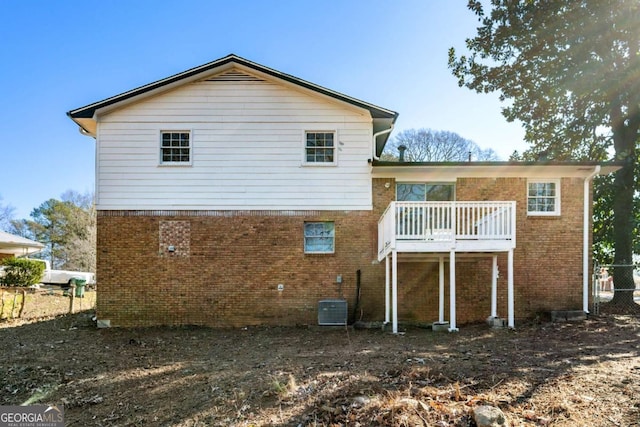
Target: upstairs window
x,y
320,148
175,147
319,237
543,197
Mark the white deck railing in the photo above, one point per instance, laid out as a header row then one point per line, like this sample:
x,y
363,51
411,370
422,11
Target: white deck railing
x,y
445,221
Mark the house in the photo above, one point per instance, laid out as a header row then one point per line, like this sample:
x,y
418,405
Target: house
x,y
15,246
234,194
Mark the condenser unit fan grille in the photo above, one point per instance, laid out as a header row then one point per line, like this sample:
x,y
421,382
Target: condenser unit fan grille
x,y
332,312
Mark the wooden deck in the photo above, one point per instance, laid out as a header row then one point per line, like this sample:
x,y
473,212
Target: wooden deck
x,y
437,227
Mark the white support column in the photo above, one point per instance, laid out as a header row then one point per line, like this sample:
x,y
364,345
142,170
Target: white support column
x,y
510,319
452,291
387,291
394,289
586,229
441,291
494,287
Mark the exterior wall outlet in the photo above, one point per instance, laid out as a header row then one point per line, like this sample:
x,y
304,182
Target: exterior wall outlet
x,y
339,278
280,287
171,248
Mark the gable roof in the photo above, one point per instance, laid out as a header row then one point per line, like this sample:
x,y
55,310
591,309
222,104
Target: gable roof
x,y
85,116
16,245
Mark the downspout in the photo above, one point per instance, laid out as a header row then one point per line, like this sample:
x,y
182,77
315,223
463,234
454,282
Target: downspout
x,y
375,138
585,241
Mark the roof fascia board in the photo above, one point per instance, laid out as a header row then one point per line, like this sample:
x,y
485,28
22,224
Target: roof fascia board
x,y
451,171
196,73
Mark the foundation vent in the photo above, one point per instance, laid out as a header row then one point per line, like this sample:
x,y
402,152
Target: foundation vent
x,y
332,312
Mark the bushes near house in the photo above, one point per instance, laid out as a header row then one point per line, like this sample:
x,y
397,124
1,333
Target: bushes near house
x,y
21,272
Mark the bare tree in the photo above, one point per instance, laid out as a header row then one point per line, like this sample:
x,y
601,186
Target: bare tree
x,y
427,145
6,214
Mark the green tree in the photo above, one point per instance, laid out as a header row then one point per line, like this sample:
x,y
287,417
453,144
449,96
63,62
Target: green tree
x,y
67,228
427,145
569,71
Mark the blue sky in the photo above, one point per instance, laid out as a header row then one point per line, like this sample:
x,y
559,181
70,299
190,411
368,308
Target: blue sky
x,y
57,56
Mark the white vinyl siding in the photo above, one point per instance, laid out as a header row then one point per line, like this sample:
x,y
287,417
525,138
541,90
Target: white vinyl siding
x,y
246,151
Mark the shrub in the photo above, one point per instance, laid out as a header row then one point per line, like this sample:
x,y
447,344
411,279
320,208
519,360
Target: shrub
x,y
21,272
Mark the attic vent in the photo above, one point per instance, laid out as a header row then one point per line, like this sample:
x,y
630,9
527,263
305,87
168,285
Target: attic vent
x,y
234,76
332,312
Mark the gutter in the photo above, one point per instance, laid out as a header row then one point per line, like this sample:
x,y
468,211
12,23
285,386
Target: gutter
x,y
375,139
585,238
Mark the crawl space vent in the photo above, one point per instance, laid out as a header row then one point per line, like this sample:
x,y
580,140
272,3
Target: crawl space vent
x,y
332,312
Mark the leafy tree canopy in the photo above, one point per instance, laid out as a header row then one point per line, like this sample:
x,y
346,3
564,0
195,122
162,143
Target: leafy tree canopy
x,y
68,229
569,70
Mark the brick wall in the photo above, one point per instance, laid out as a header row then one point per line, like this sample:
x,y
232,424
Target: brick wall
x,y
224,267
225,270
547,262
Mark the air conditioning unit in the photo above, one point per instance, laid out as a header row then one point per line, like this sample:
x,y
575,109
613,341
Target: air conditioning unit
x,y
332,312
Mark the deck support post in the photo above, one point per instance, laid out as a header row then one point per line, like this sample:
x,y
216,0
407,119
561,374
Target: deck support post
x,y
510,314
494,287
441,290
387,291
394,289
452,291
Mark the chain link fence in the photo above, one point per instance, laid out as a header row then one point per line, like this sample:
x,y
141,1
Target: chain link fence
x,y
616,288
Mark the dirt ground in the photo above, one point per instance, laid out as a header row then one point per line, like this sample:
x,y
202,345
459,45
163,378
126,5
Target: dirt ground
x,y
562,374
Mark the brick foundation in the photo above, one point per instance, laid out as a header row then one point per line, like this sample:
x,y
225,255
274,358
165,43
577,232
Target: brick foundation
x,y
223,268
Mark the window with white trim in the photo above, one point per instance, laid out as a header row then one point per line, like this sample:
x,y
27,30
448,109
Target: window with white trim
x,y
175,147
320,147
543,197
319,237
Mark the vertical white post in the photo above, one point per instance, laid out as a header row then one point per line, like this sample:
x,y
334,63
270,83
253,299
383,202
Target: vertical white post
x,y
441,291
494,287
452,291
510,320
585,240
394,289
387,291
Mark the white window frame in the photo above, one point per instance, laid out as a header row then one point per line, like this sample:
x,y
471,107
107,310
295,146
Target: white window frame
x,y
332,236
160,147
557,197
335,147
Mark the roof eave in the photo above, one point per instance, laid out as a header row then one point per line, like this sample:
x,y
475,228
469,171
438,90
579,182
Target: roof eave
x,y
496,168
84,115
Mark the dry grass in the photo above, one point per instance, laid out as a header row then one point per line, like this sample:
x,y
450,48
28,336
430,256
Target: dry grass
x,y
560,374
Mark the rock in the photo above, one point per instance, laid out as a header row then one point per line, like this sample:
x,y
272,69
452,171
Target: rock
x,y
360,401
488,416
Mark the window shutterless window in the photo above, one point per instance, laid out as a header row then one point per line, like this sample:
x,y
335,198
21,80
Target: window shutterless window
x,y
421,192
320,148
319,237
543,197
175,147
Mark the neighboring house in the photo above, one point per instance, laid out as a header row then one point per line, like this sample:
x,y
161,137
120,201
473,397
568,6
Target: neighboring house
x,y
15,246
233,194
